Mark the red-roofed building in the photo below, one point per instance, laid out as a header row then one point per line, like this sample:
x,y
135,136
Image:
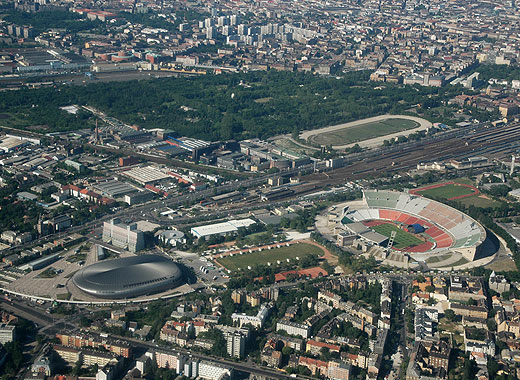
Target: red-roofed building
x,y
107,201
197,186
314,365
314,347
179,178
90,195
200,326
156,190
72,190
310,273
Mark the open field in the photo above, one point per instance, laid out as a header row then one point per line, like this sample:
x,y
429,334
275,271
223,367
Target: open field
x,y
448,191
269,256
286,143
460,190
403,239
438,258
502,264
362,132
368,133
461,261
480,201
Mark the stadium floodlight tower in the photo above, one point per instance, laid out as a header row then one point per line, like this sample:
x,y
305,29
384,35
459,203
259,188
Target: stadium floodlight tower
x,y
391,240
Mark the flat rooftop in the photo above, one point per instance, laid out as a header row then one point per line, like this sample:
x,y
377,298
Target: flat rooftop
x,y
146,175
221,228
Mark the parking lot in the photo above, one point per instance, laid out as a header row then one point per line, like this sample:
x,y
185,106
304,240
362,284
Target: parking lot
x,y
53,287
209,274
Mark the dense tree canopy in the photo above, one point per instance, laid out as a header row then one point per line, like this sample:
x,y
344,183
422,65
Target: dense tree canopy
x,y
243,105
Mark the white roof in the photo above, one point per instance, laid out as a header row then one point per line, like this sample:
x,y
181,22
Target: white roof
x,y
146,175
221,228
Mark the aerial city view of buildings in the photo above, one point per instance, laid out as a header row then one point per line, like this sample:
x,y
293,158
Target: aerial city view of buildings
x,y
259,190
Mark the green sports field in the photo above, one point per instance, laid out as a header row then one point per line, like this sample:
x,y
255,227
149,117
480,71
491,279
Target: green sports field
x,y
363,132
272,256
402,239
447,191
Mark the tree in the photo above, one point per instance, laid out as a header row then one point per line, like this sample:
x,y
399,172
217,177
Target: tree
x,y
450,315
420,278
470,369
76,370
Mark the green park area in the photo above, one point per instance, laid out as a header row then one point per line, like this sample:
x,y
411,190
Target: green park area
x,y
265,104
348,135
281,254
438,258
402,239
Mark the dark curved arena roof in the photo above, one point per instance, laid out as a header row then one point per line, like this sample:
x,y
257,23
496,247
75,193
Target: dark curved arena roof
x,y
128,277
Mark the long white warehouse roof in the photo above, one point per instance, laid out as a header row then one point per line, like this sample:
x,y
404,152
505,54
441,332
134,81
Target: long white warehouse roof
x,y
221,228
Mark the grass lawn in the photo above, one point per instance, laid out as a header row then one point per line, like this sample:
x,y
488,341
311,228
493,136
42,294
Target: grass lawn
x,y
438,258
448,191
447,326
48,273
450,330
288,144
461,261
503,264
263,100
480,201
363,132
269,256
77,257
403,239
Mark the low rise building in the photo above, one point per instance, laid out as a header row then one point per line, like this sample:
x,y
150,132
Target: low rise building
x,y
314,347
256,321
214,371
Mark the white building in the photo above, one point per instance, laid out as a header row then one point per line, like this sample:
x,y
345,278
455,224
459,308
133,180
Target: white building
x,y
170,360
7,333
123,236
293,328
146,175
221,229
214,371
172,237
236,344
257,320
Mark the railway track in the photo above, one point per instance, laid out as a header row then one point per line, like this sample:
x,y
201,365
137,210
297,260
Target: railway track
x,y
496,142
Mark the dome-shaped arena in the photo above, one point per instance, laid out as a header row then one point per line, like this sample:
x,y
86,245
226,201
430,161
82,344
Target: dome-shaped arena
x,y
431,226
128,277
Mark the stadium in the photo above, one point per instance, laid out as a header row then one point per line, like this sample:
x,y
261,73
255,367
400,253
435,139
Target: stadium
x,y
414,225
128,277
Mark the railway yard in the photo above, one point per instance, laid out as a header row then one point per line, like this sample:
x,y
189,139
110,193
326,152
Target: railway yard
x,y
457,144
492,142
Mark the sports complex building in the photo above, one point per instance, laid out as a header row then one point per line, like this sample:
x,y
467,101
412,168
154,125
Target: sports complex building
x,y
413,224
128,277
